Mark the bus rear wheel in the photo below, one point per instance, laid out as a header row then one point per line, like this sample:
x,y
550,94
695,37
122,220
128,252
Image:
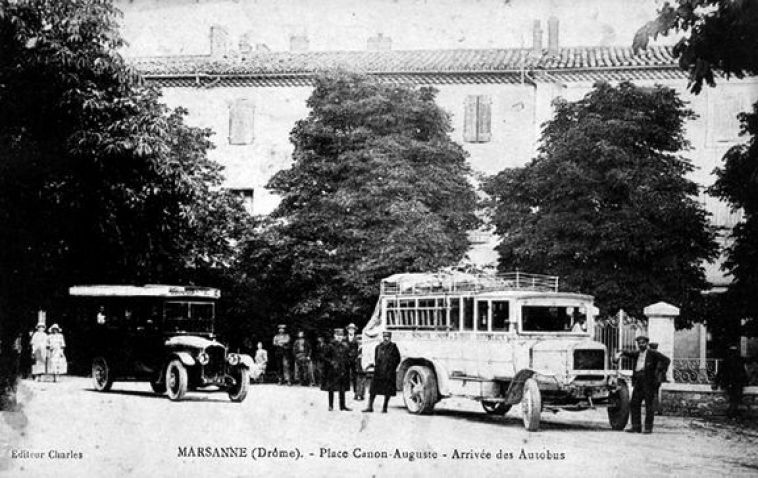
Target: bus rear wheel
x,y
102,375
419,390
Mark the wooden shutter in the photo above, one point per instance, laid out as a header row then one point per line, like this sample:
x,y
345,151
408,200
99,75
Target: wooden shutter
x,y
241,116
469,119
484,119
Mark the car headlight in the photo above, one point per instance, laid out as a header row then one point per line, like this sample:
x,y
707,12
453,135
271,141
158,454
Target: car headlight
x,y
233,359
203,358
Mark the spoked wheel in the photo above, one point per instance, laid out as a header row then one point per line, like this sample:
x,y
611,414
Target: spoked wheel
x,y
101,374
531,403
618,409
238,391
495,408
419,390
176,380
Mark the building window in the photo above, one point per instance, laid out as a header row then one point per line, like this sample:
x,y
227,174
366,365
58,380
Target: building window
x,y
477,119
241,115
246,196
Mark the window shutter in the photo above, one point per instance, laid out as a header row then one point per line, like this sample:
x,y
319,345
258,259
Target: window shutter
x,y
484,119
469,119
241,115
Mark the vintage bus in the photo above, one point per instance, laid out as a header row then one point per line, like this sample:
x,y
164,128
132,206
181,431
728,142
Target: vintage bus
x,y
161,334
499,339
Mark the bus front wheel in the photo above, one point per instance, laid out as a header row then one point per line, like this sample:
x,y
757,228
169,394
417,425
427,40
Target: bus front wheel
x,y
419,390
531,404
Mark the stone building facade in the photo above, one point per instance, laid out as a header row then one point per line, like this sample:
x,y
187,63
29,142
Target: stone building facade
x,y
497,99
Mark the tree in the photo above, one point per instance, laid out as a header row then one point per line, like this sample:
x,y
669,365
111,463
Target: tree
x,y
606,204
377,187
737,183
99,181
720,36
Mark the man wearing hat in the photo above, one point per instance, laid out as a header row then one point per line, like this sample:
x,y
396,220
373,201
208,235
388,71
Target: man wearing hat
x,y
337,369
386,360
281,354
353,350
649,371
732,377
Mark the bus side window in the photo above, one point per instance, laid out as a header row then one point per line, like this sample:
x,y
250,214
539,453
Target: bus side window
x,y
483,311
468,313
455,313
391,307
500,316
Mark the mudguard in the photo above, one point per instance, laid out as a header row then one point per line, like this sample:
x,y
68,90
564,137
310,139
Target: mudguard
x,y
516,388
185,358
443,380
246,361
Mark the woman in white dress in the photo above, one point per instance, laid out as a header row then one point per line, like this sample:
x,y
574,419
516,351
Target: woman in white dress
x,y
261,360
56,343
39,352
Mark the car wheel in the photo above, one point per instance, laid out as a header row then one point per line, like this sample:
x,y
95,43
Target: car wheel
x,y
419,390
101,374
531,403
618,409
495,408
176,380
238,391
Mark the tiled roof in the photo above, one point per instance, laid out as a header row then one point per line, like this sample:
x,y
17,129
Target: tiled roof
x,y
408,62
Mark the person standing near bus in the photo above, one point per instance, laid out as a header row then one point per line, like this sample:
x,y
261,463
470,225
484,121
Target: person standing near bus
x,y
337,369
56,343
302,353
39,352
353,345
386,360
281,355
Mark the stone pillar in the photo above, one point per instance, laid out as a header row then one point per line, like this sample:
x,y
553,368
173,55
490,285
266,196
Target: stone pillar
x,y
660,329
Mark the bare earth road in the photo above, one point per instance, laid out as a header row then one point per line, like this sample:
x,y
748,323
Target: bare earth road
x,y
132,432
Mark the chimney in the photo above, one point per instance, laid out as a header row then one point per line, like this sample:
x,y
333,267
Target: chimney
x,y
299,43
537,38
219,42
552,36
379,42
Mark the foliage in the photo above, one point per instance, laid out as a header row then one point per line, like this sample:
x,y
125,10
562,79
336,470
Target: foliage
x,y
99,181
737,183
606,204
377,187
722,36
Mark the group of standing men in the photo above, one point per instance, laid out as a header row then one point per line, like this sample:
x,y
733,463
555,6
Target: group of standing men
x,y
336,366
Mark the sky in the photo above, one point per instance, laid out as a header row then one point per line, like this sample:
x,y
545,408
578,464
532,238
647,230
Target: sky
x,y
170,27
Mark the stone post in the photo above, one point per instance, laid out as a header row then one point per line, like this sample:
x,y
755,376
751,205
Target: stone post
x,y
660,329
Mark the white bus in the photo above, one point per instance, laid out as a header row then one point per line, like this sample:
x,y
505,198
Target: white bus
x,y
500,339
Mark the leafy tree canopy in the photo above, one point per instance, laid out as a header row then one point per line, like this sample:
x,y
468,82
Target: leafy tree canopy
x,y
377,187
720,36
737,183
99,182
606,204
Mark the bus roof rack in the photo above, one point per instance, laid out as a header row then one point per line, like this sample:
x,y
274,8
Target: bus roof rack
x,y
455,281
147,290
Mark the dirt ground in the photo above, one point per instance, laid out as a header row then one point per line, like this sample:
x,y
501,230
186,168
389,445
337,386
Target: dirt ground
x,y
67,429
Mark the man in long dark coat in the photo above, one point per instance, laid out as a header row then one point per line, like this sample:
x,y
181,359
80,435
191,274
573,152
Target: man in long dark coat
x,y
337,369
732,377
649,370
386,360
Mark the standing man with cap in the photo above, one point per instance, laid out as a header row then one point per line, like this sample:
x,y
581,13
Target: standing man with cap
x,y
386,360
649,370
302,353
353,346
281,354
337,369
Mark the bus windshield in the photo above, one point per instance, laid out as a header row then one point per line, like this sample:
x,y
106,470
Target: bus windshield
x,y
541,318
189,316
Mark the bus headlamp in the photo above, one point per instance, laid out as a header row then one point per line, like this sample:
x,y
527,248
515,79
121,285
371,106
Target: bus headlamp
x,y
233,359
203,358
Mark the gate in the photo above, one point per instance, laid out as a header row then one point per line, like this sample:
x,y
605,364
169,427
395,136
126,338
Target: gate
x,y
618,333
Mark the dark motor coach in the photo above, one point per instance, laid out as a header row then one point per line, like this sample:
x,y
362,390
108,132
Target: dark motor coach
x,y
159,334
